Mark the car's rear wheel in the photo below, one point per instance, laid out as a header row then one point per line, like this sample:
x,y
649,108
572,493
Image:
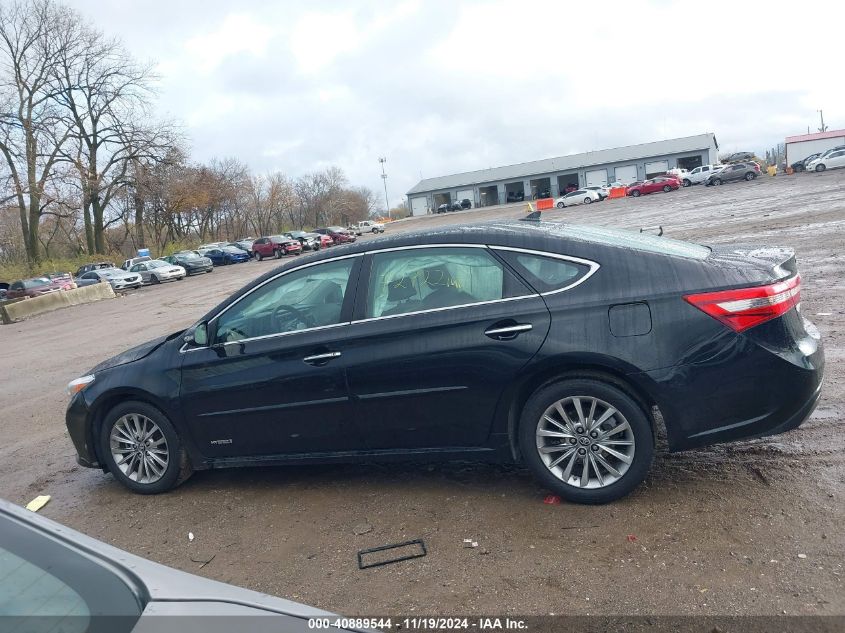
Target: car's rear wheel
x,y
141,448
667,188
820,167
586,440
749,176
154,279
588,200
687,182
717,181
636,193
258,257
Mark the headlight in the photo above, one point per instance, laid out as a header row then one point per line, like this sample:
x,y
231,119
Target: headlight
x,y
75,386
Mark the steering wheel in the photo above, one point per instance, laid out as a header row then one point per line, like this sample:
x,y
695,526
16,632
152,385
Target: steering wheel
x,y
301,317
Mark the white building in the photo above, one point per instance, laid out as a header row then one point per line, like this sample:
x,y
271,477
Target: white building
x,y
803,145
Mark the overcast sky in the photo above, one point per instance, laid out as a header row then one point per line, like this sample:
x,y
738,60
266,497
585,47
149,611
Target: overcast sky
x,y
444,86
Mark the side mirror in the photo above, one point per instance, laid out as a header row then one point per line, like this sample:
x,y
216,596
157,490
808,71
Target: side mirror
x,y
198,336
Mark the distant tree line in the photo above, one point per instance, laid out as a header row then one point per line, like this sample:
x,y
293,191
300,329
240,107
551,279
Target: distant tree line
x,y
87,166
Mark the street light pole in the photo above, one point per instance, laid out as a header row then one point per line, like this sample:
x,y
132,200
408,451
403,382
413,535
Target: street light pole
x,y
383,160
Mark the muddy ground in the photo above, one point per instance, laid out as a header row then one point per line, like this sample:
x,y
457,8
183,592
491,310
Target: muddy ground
x,y
748,528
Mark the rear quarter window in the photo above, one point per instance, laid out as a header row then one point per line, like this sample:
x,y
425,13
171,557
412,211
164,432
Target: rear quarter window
x,y
546,273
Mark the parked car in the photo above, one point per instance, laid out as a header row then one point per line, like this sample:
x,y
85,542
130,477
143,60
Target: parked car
x,y
579,196
456,206
55,578
4,294
118,278
740,157
832,160
515,196
370,226
129,263
88,279
661,183
155,271
221,256
245,244
444,208
275,246
729,173
192,262
338,234
599,189
801,165
466,203
325,240
353,228
700,174
28,288
211,245
93,266
679,173
553,351
65,280
540,194
308,241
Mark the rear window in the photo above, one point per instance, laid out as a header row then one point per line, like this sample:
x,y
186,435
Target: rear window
x,y
629,239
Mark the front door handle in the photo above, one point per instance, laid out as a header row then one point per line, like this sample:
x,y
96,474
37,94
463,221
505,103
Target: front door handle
x,y
320,359
507,332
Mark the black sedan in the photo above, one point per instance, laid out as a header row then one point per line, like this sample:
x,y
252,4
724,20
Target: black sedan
x,y
192,262
549,344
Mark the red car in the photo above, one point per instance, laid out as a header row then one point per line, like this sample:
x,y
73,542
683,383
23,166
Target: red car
x,y
275,246
65,280
32,288
661,183
326,241
338,234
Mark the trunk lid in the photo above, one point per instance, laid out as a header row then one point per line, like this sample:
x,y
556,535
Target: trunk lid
x,y
776,263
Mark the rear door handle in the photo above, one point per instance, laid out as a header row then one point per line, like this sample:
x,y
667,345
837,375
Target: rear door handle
x,y
321,359
507,331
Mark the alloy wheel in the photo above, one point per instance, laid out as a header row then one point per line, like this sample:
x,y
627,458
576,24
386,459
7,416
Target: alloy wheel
x,y
139,448
585,442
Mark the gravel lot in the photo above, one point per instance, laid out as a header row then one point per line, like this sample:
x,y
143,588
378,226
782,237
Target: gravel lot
x,y
748,528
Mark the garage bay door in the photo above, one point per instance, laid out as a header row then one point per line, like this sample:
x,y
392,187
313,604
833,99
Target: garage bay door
x,y
627,174
466,194
419,206
596,178
656,168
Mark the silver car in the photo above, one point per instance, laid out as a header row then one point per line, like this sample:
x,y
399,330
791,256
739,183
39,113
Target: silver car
x,y
53,578
118,278
155,271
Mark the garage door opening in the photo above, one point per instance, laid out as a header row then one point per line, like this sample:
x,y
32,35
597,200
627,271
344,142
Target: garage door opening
x,y
466,197
627,174
689,162
515,191
488,196
656,168
541,188
441,199
567,183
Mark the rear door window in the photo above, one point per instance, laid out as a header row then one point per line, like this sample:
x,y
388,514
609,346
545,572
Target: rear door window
x,y
547,273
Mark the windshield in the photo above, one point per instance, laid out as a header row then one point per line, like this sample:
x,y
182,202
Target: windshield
x,y
187,256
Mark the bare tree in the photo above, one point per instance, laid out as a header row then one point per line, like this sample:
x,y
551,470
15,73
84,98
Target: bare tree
x,y
32,132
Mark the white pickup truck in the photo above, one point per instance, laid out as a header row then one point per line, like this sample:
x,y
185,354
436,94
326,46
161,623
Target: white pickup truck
x,y
367,226
699,175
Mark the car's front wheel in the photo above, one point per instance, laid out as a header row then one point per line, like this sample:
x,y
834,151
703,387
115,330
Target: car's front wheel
x,y
687,182
667,189
258,257
749,176
154,279
820,167
141,448
586,440
588,200
560,205
636,193
717,181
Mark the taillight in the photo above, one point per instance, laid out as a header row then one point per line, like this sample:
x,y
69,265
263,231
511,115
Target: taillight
x,y
747,307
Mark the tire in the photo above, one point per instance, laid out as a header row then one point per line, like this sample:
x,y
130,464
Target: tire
x,y
154,280
602,485
560,205
636,193
820,167
277,254
258,257
717,181
687,182
749,176
375,230
588,200
113,443
667,189
180,278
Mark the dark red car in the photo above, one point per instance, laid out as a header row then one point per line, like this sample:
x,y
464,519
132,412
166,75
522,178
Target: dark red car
x,y
32,288
338,234
326,241
275,246
661,183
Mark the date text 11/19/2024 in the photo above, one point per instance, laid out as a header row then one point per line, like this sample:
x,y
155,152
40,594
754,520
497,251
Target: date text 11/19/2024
x,y
420,623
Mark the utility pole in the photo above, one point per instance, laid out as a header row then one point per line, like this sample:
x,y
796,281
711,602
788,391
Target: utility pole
x,y
823,128
383,160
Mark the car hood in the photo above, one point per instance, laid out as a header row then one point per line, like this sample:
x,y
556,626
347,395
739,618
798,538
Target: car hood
x,y
135,353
